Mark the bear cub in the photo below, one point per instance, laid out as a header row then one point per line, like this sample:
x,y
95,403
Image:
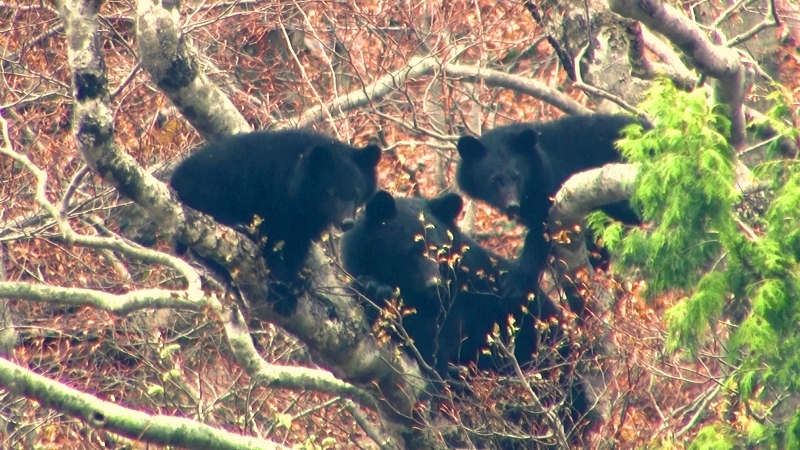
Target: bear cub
x,y
414,245
517,168
298,182
455,287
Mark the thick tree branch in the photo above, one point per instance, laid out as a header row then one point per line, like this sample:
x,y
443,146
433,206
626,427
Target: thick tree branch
x,y
665,53
284,377
332,326
581,194
586,191
94,131
716,61
156,429
643,68
192,300
172,64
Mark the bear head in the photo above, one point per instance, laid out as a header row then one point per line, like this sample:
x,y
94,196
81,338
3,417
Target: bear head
x,y
403,243
335,179
498,167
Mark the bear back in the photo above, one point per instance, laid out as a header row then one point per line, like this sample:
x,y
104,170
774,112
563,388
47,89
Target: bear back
x,y
518,167
298,182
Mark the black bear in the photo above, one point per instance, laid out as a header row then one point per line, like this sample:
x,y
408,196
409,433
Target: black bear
x,y
453,284
298,182
414,245
519,167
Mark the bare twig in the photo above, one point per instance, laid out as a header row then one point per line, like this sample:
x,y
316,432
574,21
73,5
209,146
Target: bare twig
x,y
73,185
125,247
563,55
365,425
126,81
772,20
549,413
701,409
302,69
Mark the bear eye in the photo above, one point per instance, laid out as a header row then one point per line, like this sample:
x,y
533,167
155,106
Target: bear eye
x,y
497,180
514,176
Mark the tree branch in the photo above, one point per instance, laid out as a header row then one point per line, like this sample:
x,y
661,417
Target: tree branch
x,y
716,61
284,377
172,64
425,66
586,191
665,53
156,429
646,70
241,342
192,300
331,325
125,247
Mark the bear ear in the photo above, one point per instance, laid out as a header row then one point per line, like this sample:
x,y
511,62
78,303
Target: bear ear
x,y
381,207
368,157
320,160
525,141
469,147
446,207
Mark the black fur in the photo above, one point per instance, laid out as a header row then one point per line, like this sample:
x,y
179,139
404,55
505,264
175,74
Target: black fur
x,y
517,168
298,182
453,284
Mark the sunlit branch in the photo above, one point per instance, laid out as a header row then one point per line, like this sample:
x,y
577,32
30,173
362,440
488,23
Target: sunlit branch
x,y
286,377
120,304
586,191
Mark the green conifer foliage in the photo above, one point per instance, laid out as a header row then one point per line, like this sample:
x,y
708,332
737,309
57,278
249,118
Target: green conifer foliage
x,y
699,246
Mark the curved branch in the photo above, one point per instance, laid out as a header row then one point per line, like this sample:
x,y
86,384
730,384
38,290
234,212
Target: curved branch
x,y
425,66
241,342
284,377
646,70
586,191
530,86
417,67
581,194
114,243
156,429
